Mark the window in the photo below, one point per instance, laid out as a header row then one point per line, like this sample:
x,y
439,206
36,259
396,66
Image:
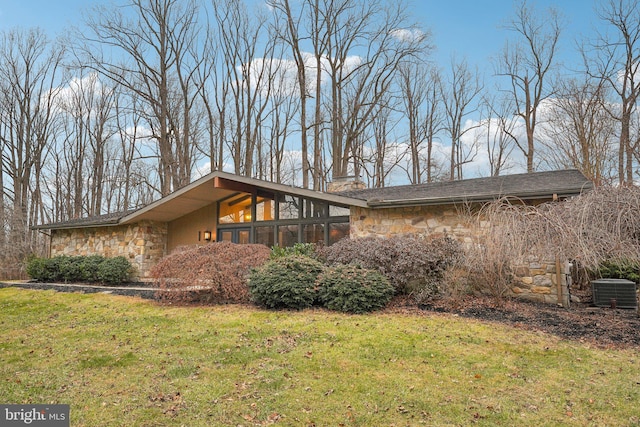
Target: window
x,y
265,209
236,209
287,235
338,211
314,209
266,235
313,233
271,218
288,207
338,231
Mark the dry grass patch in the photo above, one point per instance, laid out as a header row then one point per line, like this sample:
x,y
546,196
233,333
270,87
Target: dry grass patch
x,y
124,361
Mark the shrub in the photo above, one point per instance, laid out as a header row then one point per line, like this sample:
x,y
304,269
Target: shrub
x,y
215,273
409,263
112,271
352,289
303,249
90,266
37,268
93,268
70,268
285,282
620,269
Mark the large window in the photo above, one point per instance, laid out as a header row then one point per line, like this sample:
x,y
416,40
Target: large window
x,y
265,208
265,235
235,209
288,207
280,218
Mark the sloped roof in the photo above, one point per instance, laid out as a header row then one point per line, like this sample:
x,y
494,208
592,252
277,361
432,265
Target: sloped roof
x,y
207,190
200,193
94,221
529,186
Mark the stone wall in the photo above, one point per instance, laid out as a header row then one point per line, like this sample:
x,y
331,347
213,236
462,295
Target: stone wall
x,y
537,281
436,221
143,243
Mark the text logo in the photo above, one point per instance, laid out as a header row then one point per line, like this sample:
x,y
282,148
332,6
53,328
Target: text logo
x,y
34,415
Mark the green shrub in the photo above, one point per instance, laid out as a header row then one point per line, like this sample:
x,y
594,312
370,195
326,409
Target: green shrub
x,y
302,249
114,271
70,268
89,267
215,273
352,289
410,264
37,268
93,268
285,282
620,269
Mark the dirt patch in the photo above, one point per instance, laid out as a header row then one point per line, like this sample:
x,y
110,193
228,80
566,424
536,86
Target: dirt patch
x,y
602,327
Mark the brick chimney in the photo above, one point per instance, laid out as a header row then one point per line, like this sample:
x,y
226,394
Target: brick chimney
x,y
345,183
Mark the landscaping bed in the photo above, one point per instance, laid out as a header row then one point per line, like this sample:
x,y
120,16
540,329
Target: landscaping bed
x,y
131,290
603,327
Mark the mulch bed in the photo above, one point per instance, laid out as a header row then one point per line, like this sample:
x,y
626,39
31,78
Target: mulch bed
x,y
602,327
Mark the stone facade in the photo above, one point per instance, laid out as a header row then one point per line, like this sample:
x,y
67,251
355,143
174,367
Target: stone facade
x,y
345,183
537,281
436,221
143,243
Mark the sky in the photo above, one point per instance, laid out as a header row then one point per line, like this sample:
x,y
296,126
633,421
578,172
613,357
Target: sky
x,y
471,29
464,28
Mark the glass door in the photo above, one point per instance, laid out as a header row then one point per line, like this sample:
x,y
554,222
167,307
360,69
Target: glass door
x,y
235,235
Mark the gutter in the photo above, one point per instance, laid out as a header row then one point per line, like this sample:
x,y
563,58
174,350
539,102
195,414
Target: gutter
x,y
109,223
431,201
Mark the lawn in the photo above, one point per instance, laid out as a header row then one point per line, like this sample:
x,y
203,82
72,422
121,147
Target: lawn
x,y
126,361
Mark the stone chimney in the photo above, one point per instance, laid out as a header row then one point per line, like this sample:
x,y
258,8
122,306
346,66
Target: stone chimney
x,y
345,183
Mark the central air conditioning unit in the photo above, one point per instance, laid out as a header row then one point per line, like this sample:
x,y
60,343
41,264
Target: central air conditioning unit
x,y
615,293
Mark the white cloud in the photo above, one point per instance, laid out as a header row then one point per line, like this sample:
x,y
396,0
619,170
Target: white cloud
x,y
285,73
408,35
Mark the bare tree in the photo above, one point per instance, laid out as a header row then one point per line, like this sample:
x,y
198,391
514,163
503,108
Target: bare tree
x,y
527,65
420,88
613,58
580,131
500,125
249,67
358,85
356,48
290,29
85,117
459,93
29,76
156,40
385,153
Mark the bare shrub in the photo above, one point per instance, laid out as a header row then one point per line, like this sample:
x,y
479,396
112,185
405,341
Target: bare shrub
x,y
413,265
597,226
215,273
602,225
501,242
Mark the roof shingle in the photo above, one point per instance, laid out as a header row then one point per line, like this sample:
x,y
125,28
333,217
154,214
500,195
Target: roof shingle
x,y
527,185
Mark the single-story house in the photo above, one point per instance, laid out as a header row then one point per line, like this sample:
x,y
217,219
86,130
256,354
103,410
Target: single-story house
x,y
226,207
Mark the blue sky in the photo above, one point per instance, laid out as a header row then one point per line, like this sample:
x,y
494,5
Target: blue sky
x,y
468,28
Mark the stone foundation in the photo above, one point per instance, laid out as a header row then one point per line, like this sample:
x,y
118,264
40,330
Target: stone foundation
x,y
143,243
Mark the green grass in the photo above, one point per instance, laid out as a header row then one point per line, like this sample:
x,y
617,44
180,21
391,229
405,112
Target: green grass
x,y
124,361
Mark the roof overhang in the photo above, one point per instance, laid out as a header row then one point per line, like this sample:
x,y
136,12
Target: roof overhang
x,y
217,186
